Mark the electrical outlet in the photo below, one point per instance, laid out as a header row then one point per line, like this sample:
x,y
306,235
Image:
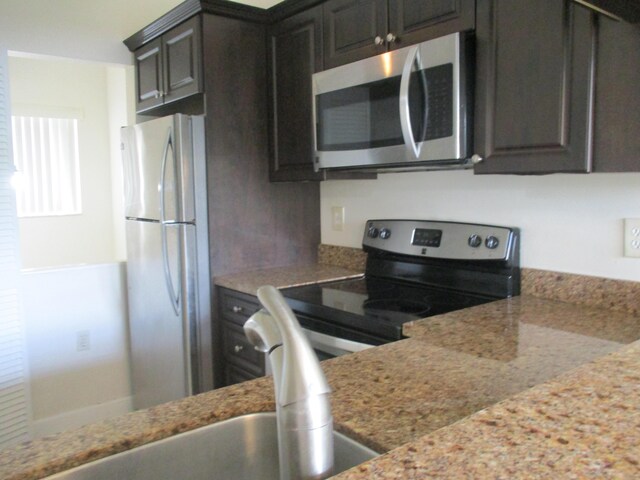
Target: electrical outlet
x,y
337,218
83,341
632,237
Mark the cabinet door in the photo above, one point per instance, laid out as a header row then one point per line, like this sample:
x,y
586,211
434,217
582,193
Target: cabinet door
x,y
534,86
181,58
414,21
351,28
617,118
295,53
149,76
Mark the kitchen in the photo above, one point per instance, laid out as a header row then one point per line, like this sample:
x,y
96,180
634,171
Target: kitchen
x,y
593,207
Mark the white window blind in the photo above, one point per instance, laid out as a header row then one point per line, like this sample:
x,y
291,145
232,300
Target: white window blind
x,y
46,155
14,399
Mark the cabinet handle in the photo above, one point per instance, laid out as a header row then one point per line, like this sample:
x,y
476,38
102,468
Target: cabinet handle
x,y
391,38
378,40
476,159
236,309
238,348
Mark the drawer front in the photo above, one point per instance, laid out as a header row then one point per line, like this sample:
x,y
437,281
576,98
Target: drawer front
x,y
237,308
239,351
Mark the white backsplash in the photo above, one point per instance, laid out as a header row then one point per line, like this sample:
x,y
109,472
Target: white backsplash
x,y
569,223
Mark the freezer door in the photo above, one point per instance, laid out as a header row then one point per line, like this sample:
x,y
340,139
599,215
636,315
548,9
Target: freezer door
x,y
158,330
158,169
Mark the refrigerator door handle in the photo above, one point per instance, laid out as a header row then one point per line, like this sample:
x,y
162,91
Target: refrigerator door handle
x,y
174,294
163,175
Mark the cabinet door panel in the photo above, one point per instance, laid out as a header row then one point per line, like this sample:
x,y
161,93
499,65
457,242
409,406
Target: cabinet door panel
x,y
414,21
534,87
350,29
295,53
182,60
617,120
149,75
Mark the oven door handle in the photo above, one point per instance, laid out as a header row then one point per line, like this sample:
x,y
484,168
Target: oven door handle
x,y
405,111
334,345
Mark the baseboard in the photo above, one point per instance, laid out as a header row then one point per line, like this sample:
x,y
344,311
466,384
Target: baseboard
x,y
82,416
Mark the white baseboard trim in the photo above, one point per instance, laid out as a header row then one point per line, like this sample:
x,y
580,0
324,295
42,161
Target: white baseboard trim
x,y
82,416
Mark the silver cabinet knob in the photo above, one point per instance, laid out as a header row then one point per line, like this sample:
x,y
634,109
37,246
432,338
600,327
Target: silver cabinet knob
x,y
390,38
378,40
238,348
236,309
475,159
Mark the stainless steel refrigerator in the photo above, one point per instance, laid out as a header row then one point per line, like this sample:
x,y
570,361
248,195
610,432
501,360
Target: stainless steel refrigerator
x,y
167,259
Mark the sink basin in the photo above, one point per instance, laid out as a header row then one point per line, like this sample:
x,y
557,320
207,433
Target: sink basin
x,y
239,448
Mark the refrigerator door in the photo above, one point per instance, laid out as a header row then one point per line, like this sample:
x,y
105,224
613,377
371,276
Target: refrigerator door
x,y
158,170
158,330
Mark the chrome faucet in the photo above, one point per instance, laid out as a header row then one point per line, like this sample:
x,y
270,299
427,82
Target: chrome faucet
x,y
303,410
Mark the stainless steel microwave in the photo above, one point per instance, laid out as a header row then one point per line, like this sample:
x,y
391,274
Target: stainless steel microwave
x,y
405,109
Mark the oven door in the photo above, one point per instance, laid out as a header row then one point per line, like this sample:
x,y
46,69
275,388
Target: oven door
x,y
327,346
398,107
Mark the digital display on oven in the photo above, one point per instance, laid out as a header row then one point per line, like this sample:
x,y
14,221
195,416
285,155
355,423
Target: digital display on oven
x,y
424,237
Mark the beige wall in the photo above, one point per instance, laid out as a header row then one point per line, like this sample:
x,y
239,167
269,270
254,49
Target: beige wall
x,y
39,85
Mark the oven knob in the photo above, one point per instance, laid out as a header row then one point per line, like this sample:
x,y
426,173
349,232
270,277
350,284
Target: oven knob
x,y
385,233
475,241
372,232
492,242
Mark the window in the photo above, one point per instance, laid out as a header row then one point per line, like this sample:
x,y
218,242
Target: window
x,y
45,152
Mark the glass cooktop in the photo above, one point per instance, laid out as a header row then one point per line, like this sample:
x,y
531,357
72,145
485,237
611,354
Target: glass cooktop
x,y
376,306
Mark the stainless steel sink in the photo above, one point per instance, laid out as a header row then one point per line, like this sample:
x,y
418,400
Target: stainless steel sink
x,y
239,448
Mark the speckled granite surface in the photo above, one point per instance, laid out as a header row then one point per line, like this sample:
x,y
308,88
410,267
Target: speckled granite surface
x,y
284,277
583,425
401,394
346,257
618,295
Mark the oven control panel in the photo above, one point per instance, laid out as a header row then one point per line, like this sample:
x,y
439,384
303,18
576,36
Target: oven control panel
x,y
450,240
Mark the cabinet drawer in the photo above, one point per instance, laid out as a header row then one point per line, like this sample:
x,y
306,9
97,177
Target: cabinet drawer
x,y
236,307
239,351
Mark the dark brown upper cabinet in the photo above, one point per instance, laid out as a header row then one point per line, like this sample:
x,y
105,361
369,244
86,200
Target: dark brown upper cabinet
x,y
294,55
534,86
617,104
169,67
357,29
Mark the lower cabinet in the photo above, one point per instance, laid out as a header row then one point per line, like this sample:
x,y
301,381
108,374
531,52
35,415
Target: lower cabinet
x,y
241,361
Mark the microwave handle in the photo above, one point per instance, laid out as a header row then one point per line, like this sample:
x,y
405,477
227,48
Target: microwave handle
x,y
405,111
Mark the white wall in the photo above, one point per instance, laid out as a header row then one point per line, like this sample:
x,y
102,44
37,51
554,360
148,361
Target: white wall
x,y
43,87
570,223
71,387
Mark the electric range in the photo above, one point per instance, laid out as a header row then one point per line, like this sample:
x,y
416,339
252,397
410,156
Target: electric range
x,y
415,269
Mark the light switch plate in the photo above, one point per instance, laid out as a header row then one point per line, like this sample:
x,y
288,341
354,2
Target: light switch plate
x,y
632,237
337,218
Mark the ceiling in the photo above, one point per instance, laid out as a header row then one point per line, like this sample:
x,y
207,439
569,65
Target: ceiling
x,y
81,29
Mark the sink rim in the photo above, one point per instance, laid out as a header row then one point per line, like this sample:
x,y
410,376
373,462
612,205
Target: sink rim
x,y
270,415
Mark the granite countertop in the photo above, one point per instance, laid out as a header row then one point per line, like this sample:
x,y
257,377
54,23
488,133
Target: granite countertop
x,y
285,277
451,373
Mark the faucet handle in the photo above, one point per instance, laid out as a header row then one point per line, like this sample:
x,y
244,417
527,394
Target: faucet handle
x,y
262,332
